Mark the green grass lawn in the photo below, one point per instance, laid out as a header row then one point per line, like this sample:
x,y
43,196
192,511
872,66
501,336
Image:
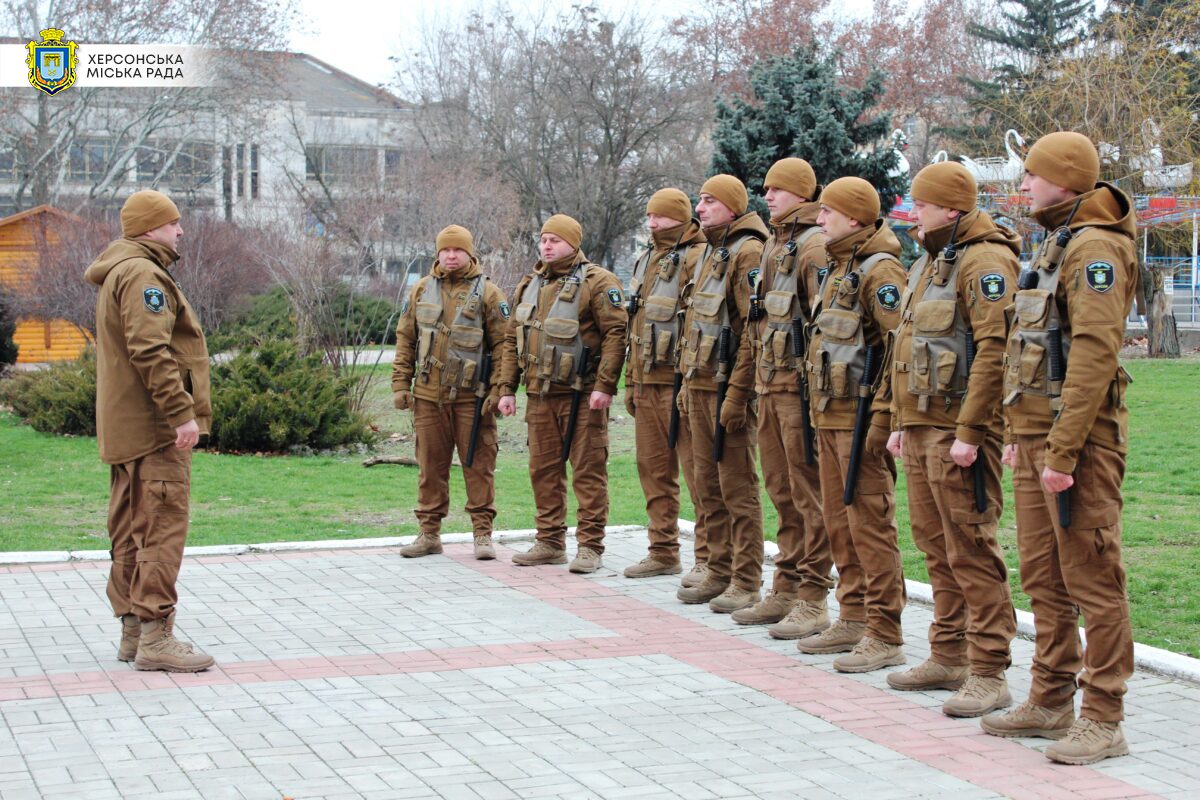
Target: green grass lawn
x,y
53,492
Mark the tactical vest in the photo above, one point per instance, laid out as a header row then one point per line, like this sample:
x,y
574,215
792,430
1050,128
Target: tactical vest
x,y
710,311
658,338
782,304
841,354
549,350
939,332
464,338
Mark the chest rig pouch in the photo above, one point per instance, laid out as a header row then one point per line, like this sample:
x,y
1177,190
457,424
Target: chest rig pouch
x,y
549,348
708,311
841,352
455,350
1033,320
654,336
783,304
939,332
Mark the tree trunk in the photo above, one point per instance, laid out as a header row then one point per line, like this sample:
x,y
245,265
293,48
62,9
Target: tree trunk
x,y
1160,315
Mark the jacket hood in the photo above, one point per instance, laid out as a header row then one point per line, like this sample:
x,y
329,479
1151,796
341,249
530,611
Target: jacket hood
x,y
748,223
801,216
878,238
1106,206
973,227
125,249
685,234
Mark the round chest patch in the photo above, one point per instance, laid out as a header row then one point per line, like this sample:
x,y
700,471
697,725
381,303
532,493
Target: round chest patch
x,y
992,286
888,296
1100,275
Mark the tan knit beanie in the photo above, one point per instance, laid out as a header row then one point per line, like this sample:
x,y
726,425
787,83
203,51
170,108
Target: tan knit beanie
x,y
947,184
565,228
1066,159
145,211
729,190
670,203
854,197
456,236
793,175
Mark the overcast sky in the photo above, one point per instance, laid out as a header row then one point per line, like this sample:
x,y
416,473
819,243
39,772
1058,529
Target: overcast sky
x,y
358,36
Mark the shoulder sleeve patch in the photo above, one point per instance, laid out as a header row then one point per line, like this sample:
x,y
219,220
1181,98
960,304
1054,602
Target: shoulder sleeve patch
x,y
154,299
888,296
752,276
992,286
505,311
1100,275
614,297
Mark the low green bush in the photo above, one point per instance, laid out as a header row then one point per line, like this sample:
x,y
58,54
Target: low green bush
x,y
353,320
60,398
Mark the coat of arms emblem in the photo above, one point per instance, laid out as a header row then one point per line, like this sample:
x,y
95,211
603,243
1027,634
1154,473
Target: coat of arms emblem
x,y
52,62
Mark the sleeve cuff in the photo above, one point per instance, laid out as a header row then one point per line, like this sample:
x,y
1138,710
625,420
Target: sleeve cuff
x,y
182,418
605,387
969,435
881,420
1060,463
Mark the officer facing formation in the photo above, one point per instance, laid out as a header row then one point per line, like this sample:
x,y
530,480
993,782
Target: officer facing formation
x,y
451,327
655,323
566,342
153,405
717,395
945,383
858,306
1066,439
780,310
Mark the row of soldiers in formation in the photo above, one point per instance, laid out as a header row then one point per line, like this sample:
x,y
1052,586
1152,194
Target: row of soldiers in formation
x,y
806,344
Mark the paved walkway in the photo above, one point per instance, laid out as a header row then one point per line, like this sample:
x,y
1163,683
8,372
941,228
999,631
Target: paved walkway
x,y
345,674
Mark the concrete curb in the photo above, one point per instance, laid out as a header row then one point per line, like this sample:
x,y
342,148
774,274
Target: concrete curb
x,y
1150,659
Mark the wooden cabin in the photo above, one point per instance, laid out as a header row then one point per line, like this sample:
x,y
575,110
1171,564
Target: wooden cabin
x,y
38,340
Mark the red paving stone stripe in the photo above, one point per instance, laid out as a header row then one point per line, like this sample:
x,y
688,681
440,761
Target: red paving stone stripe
x,y
882,718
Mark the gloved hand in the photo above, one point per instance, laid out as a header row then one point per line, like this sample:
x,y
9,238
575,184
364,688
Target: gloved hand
x,y
681,402
877,438
630,405
733,415
490,404
402,400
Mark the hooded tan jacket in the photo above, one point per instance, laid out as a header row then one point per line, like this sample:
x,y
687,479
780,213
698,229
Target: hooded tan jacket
x,y
151,357
1093,407
456,287
987,249
886,279
602,321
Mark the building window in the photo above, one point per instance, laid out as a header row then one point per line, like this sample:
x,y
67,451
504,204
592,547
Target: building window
x,y
193,164
241,170
254,171
341,164
88,159
391,163
8,165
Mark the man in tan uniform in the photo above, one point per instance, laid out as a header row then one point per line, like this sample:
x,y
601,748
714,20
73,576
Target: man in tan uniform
x,y
568,308
451,322
946,412
717,309
781,299
152,406
858,306
654,298
1066,438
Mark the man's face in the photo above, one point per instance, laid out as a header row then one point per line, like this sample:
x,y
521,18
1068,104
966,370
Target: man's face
x,y
554,248
781,200
1042,193
835,224
657,222
453,259
931,217
713,213
168,234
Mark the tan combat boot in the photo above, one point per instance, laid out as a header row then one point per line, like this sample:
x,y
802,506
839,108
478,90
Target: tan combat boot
x,y
869,655
695,576
1089,741
158,649
483,547
649,566
772,608
703,592
1028,719
427,544
979,695
540,553
840,637
806,618
929,674
733,599
586,560
131,631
